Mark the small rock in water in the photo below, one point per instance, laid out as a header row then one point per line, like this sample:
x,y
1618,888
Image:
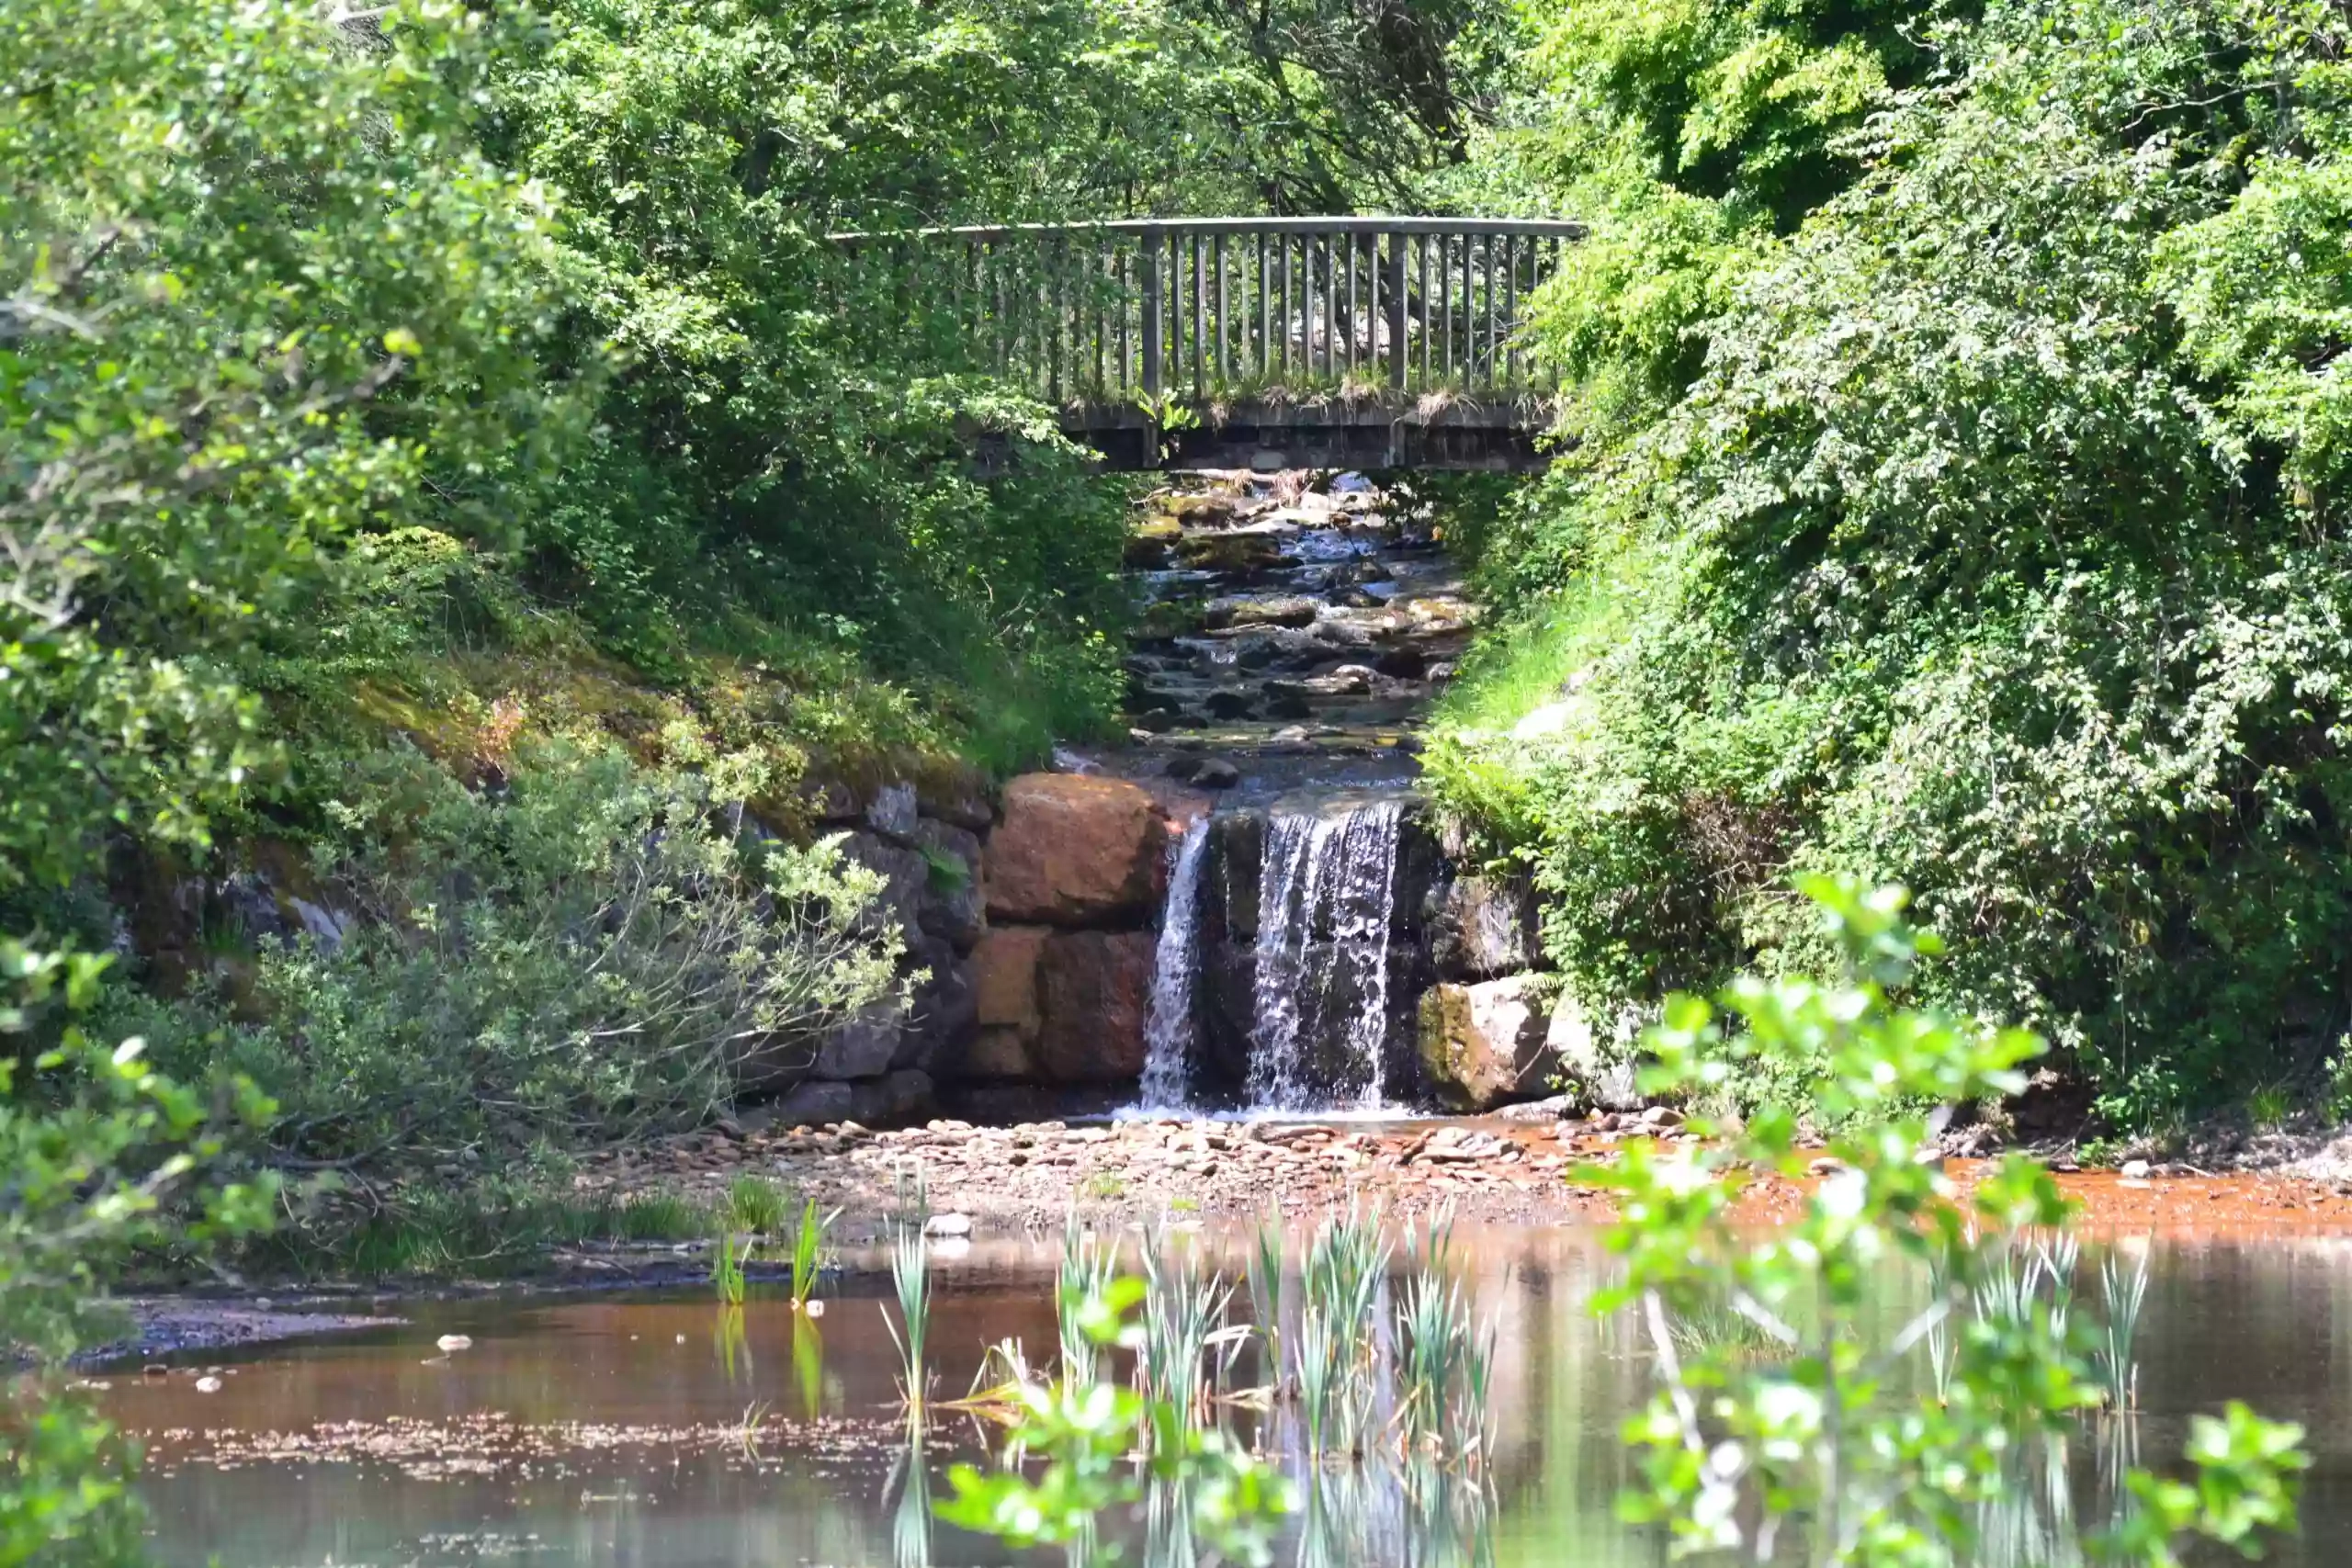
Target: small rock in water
x,y
948,1225
454,1342
1217,773
2135,1170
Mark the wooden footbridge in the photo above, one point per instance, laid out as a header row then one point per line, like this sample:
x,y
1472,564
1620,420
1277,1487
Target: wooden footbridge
x,y
1273,343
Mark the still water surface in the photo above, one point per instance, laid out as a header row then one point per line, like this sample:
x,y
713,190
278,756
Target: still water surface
x,y
605,1429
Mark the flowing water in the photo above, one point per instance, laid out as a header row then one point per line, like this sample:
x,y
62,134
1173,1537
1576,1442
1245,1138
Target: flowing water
x,y
1325,898
609,1429
1302,633
1168,1029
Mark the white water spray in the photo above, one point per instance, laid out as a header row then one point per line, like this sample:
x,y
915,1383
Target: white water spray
x,y
1168,1026
1335,870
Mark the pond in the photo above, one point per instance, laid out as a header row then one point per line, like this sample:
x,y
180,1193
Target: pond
x,y
611,1428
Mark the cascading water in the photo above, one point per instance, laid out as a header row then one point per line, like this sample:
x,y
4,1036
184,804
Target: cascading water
x,y
1169,1027
1320,1001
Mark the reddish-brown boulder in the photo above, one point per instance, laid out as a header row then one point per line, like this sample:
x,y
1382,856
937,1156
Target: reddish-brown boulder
x,y
1094,990
1075,850
997,1053
1004,978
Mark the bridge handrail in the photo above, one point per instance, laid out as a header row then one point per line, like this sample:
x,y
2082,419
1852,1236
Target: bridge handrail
x,y
1102,310
1359,223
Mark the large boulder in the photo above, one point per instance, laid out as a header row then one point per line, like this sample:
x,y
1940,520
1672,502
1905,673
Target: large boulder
x,y
1094,992
863,1044
891,811
1225,1008
905,875
957,794
817,1101
1004,978
1479,926
873,1102
950,904
1596,1074
1236,855
1260,610
997,1055
1487,1043
1075,850
945,1010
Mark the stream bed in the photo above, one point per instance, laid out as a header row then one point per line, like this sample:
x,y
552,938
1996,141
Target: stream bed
x,y
656,1431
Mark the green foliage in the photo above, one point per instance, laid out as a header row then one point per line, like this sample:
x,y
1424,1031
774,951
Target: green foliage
x,y
1989,550
589,953
1823,1439
1687,135
105,1155
220,350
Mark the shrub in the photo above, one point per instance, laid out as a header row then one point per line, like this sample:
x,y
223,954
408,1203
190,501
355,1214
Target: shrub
x,y
104,1154
587,950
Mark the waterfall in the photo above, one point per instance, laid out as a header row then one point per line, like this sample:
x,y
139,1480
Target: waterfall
x,y
1320,1006
1168,1026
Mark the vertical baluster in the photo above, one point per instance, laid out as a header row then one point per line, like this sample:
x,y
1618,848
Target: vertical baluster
x,y
1200,323
1487,275
1424,311
1224,353
1171,302
1327,246
1446,298
1098,266
1311,357
992,301
1052,308
1558,256
1261,370
1397,362
955,284
1306,359
1149,306
1289,277
1347,245
1510,310
1125,303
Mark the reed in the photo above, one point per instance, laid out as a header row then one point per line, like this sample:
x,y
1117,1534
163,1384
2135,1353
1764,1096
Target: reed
x,y
756,1205
809,1252
1086,1271
1264,1271
910,1277
911,1521
2123,1295
1432,1333
1338,1287
2058,1258
727,1267
1184,1311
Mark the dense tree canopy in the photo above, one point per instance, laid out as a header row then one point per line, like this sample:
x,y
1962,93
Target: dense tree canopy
x,y
1990,547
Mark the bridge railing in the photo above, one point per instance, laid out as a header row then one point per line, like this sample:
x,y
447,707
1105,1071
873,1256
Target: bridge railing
x,y
1228,306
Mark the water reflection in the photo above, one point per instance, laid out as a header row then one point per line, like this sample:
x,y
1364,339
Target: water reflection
x,y
610,1431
